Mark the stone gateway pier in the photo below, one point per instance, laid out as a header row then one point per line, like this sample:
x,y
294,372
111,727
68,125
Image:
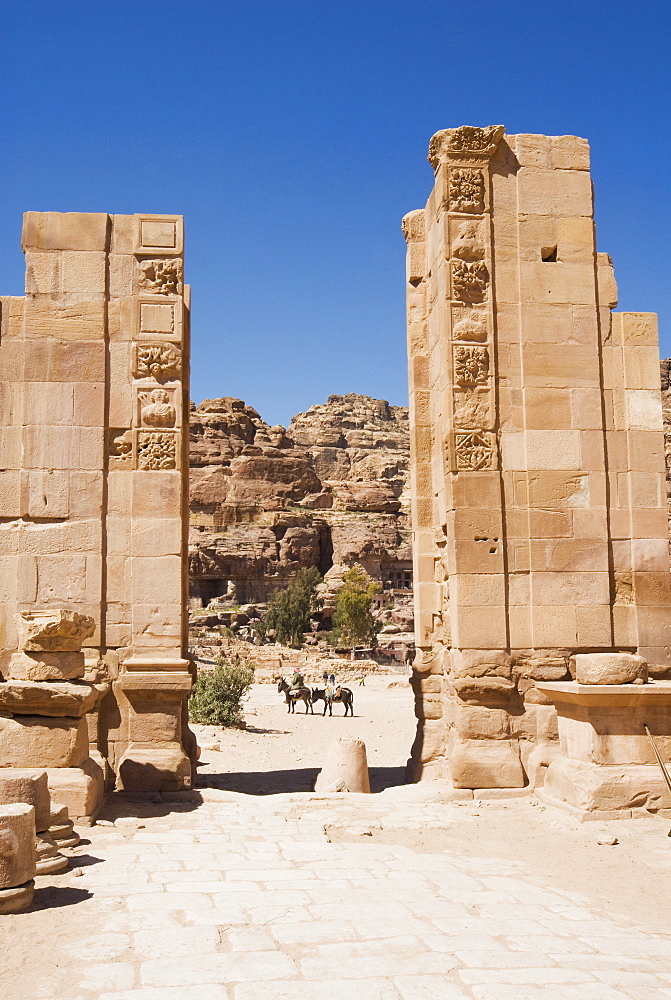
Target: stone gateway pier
x,y
539,507
94,369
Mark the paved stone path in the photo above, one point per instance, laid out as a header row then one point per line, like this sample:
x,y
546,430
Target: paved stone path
x,y
243,898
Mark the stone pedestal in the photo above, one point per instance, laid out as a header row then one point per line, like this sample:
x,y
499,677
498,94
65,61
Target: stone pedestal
x,y
43,702
154,759
345,768
607,767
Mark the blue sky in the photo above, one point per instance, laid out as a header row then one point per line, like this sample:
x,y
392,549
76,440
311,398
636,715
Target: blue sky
x,y
292,136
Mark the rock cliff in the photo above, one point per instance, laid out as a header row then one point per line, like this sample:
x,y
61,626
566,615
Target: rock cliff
x,y
266,501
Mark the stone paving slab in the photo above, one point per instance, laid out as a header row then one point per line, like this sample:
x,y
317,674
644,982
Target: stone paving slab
x,y
240,898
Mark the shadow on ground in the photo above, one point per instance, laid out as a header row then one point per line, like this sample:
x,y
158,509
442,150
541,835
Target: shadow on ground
x,y
293,780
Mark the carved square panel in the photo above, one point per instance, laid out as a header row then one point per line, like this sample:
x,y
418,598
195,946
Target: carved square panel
x,y
163,234
156,316
470,280
475,451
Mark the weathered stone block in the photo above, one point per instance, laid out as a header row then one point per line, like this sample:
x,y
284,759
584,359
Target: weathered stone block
x,y
610,668
17,844
486,764
36,667
18,784
39,741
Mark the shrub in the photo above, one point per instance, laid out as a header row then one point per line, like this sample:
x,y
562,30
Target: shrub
x,y
289,610
216,698
353,622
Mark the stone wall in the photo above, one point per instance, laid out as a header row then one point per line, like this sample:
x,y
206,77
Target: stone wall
x,y
94,361
537,465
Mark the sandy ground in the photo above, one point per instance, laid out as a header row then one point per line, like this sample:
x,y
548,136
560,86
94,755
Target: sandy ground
x,y
283,752
231,892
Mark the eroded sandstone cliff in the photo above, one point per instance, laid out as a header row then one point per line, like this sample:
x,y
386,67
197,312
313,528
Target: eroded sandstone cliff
x,y
328,492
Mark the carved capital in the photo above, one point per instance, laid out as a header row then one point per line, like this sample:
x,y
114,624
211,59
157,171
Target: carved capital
x,y
55,631
467,140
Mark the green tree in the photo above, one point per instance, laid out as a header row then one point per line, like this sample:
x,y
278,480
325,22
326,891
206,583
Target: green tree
x,y
216,698
289,610
353,622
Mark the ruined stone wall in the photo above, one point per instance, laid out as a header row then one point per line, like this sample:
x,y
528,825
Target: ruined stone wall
x,y
93,516
539,506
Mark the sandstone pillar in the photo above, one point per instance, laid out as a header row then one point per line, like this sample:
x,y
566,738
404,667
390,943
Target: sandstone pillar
x,y
536,453
94,363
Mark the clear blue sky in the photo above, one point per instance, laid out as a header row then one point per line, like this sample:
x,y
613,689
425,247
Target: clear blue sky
x,y
292,136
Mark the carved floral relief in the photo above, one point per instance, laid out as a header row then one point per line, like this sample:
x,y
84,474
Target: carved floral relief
x,y
471,366
469,280
467,139
466,190
159,361
156,450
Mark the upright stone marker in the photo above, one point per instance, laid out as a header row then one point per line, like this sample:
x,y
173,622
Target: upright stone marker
x,y
539,505
93,517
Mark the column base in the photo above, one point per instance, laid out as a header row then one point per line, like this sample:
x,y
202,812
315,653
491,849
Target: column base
x,y
152,769
605,791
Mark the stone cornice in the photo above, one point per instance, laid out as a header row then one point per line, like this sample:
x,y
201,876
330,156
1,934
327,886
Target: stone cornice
x,y
467,140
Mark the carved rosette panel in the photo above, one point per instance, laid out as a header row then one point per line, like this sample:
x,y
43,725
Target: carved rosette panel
x,y
466,190
475,451
469,280
156,450
471,366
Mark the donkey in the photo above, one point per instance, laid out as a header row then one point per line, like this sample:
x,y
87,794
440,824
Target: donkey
x,y
341,694
293,695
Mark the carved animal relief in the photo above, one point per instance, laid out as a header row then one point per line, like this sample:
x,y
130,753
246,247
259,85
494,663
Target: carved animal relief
x,y
474,452
121,445
468,245
156,450
471,366
161,276
467,190
469,280
470,328
159,361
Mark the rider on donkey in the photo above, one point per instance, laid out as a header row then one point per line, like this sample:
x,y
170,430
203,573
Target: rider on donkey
x,y
297,682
